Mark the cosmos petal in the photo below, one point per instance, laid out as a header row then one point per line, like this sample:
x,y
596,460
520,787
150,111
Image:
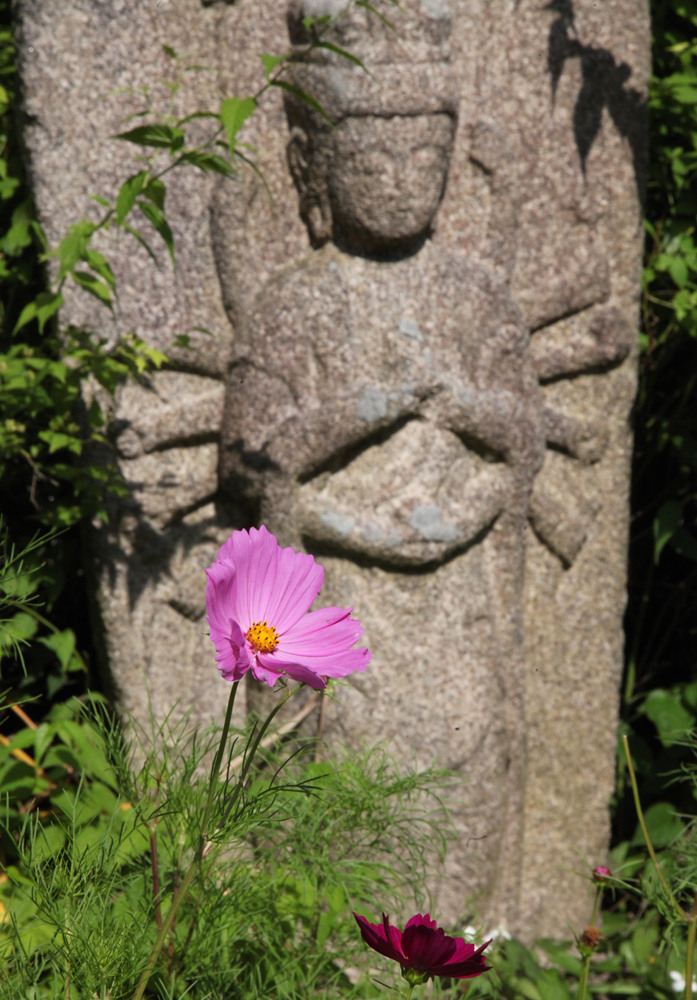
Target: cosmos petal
x,y
254,580
425,948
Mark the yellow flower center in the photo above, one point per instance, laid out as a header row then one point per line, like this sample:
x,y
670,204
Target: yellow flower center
x,y
263,637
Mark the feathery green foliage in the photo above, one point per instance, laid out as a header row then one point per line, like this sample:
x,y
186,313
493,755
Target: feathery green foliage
x,y
99,833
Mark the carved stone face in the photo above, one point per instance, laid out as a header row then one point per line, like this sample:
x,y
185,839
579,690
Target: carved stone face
x,y
374,184
386,177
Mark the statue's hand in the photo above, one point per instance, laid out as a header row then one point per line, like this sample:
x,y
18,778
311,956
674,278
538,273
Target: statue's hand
x,y
608,341
501,422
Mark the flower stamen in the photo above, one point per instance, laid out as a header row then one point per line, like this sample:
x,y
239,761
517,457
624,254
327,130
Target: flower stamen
x,y
262,636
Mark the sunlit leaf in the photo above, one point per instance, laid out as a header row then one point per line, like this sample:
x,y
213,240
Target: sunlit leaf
x,y
156,191
271,62
341,52
128,193
92,284
45,305
665,525
100,264
159,136
72,247
62,644
153,214
209,162
234,112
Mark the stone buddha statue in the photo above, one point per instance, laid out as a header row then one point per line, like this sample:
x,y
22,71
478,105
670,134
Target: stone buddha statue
x,y
383,412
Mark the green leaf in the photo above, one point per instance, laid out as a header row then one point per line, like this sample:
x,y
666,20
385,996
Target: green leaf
x,y
156,192
99,264
341,52
644,941
8,186
234,112
551,986
169,51
678,271
47,843
141,239
18,236
39,233
209,162
685,95
57,440
381,17
43,737
128,193
62,644
72,247
92,284
159,136
309,22
527,989
662,823
159,223
561,956
302,95
271,62
20,627
668,714
197,114
684,543
42,308
665,525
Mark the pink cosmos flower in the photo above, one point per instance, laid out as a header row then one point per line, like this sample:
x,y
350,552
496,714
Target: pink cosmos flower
x,y
601,874
258,596
424,949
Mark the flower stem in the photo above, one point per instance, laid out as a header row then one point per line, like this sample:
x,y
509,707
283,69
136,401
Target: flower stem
x,y
583,978
198,856
690,957
586,964
249,756
594,914
215,769
649,845
166,924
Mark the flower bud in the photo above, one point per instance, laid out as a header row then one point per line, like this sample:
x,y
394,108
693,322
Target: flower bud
x,y
601,875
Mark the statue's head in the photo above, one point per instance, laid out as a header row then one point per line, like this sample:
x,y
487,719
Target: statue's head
x,y
372,177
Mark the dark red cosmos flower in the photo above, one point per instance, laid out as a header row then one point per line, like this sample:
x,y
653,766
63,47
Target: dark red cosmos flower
x,y
424,950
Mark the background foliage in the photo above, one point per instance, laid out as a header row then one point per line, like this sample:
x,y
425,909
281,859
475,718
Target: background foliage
x,y
660,694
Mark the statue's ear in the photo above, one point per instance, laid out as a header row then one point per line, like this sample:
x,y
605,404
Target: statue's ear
x,y
312,189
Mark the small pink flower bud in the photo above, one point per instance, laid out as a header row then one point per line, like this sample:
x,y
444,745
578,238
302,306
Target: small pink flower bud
x,y
601,874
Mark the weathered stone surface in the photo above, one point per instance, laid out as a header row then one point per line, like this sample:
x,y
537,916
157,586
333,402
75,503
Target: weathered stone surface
x,y
386,406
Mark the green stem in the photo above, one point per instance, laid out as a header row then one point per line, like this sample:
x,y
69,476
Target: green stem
x,y
198,856
242,777
583,978
215,770
166,924
690,957
594,914
642,823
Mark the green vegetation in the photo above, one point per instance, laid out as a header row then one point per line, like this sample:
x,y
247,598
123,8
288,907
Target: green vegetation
x,y
98,830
